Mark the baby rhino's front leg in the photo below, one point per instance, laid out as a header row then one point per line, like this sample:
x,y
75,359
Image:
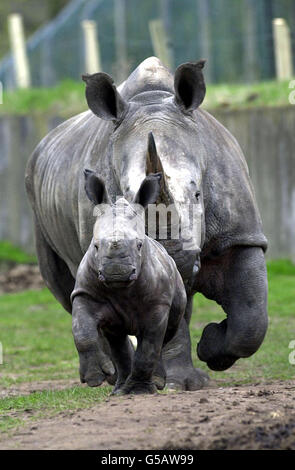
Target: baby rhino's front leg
x,y
95,364
148,353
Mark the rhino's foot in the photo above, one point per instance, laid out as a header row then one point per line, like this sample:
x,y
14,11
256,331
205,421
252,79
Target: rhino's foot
x,y
111,379
210,349
187,378
159,381
117,387
159,375
91,373
136,388
93,379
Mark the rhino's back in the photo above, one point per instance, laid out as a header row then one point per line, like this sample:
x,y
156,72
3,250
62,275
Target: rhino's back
x,y
150,75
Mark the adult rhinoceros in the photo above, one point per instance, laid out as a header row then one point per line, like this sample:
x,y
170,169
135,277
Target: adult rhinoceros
x,y
153,123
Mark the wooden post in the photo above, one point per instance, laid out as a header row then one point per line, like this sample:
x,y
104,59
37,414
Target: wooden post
x,y
204,27
249,40
282,47
18,47
122,68
92,51
166,10
159,41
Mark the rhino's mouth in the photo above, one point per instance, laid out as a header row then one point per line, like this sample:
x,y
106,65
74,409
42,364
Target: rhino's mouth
x,y
118,279
118,284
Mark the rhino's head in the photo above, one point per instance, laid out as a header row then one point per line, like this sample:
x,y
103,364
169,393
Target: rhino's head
x,y
158,131
119,232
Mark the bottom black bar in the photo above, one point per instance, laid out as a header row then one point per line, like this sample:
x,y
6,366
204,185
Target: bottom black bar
x,y
146,458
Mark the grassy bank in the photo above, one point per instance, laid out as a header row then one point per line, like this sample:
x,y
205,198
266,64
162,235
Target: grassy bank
x,y
38,346
10,253
68,98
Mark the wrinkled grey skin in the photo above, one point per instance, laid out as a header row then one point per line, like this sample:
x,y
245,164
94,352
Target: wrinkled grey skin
x,y
197,156
126,284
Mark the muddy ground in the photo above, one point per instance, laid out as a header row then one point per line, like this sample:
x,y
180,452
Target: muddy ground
x,y
19,277
258,416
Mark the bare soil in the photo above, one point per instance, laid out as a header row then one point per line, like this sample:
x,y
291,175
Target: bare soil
x,y
259,416
20,277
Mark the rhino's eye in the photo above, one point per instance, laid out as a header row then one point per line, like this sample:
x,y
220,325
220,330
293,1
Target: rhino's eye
x,y
96,247
197,195
139,245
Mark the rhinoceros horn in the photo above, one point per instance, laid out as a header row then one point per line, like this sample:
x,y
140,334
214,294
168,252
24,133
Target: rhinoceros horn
x,y
154,165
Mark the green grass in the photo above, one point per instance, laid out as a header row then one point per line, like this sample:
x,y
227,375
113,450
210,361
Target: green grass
x,y
36,335
14,254
38,345
47,403
233,96
68,97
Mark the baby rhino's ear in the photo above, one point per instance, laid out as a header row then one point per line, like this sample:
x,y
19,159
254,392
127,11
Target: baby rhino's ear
x,y
95,188
149,190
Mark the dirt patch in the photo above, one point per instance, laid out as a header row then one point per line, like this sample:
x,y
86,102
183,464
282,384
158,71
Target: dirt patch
x,y
20,277
32,387
260,416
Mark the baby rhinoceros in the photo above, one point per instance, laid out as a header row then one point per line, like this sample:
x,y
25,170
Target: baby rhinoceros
x,y
126,284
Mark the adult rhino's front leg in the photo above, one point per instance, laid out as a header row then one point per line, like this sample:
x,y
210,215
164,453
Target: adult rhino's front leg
x,y
238,282
177,358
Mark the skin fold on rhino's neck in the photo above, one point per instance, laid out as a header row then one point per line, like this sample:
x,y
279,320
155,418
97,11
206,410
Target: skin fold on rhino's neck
x,y
183,259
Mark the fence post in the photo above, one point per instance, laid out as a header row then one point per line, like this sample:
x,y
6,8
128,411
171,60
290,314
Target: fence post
x,y
92,50
122,68
282,48
159,41
18,47
204,27
166,12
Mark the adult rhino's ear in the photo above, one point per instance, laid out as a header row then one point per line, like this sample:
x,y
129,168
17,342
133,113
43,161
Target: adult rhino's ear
x,y
189,85
95,188
103,98
149,190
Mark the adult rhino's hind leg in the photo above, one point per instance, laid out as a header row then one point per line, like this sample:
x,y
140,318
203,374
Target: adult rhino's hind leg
x,y
54,271
177,358
238,282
